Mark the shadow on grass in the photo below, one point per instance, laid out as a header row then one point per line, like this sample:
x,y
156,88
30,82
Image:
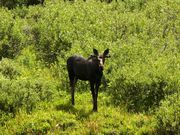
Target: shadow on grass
x,y
69,108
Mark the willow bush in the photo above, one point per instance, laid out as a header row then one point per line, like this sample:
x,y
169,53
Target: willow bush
x,y
143,38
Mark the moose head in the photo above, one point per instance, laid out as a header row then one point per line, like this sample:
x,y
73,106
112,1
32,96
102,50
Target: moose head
x,y
100,58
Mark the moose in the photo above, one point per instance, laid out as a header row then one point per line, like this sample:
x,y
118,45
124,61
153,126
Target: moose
x,y
90,69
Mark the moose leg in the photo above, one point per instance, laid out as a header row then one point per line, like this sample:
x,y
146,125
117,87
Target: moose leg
x,y
97,87
94,96
72,85
96,93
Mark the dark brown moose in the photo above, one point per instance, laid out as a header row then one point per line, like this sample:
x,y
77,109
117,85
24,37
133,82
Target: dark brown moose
x,y
90,69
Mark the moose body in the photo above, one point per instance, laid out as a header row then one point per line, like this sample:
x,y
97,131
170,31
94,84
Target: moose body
x,y
90,69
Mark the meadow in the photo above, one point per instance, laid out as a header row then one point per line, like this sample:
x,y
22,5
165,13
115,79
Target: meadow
x,y
141,95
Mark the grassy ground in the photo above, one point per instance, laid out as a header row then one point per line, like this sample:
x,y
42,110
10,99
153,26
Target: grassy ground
x,y
60,117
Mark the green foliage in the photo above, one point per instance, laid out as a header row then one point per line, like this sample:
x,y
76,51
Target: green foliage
x,y
23,93
168,115
142,73
143,81
61,118
11,35
10,4
49,40
9,69
19,91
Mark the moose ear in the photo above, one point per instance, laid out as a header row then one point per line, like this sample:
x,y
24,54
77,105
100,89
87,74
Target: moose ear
x,y
95,52
106,52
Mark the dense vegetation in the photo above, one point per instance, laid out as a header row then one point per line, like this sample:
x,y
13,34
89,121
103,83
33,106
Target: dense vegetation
x,y
142,92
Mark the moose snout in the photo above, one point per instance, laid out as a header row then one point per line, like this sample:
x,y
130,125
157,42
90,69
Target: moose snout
x,y
101,67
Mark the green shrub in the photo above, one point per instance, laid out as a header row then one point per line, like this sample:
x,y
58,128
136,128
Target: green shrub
x,y
9,68
168,115
13,3
20,91
23,93
135,5
42,122
12,38
142,82
8,3
46,35
142,73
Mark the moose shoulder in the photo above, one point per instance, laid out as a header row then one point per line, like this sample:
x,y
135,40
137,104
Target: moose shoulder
x,y
90,69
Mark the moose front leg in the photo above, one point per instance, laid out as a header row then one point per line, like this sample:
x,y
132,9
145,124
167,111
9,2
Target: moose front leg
x,y
72,85
97,87
94,96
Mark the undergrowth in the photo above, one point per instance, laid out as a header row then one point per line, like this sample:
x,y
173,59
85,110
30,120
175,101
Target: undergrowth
x,y
141,95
